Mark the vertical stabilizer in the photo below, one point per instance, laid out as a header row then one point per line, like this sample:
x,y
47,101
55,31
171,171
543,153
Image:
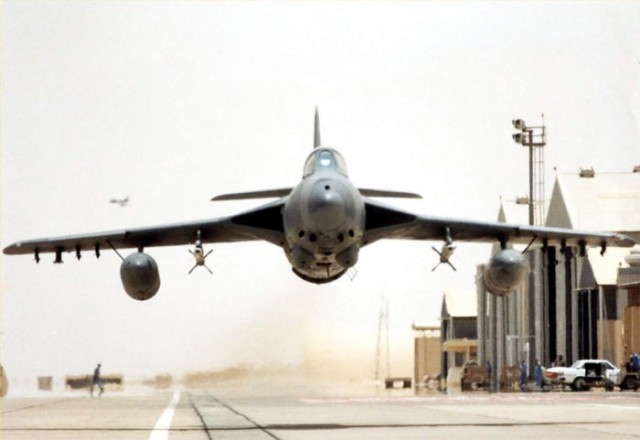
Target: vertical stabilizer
x,y
316,132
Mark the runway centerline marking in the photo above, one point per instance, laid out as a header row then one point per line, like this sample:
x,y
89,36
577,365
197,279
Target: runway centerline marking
x,y
161,429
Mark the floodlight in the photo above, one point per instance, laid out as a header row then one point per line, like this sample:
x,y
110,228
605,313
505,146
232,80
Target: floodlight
x,y
519,138
519,124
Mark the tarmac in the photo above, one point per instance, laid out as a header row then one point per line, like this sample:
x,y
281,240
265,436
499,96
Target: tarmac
x,y
230,413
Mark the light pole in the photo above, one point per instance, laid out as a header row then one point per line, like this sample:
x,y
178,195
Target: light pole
x,y
532,137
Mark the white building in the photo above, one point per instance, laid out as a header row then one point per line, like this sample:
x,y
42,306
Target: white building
x,y
577,306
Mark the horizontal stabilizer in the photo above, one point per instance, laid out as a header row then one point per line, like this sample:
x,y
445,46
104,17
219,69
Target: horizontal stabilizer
x,y
282,192
382,193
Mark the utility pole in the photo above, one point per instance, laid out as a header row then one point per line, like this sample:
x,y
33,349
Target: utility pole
x,y
383,321
534,138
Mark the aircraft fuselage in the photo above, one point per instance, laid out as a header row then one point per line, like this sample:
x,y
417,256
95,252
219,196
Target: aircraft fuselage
x,y
324,220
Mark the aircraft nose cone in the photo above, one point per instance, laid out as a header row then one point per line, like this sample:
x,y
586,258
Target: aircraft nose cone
x,y
326,206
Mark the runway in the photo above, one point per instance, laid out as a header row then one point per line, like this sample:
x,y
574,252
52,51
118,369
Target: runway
x,y
216,414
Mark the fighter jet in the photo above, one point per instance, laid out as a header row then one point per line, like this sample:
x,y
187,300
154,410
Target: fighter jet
x,y
321,224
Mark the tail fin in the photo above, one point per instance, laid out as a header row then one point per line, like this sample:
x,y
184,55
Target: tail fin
x,y
316,132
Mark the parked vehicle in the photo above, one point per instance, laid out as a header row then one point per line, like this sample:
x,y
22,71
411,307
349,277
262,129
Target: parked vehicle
x,y
474,377
630,379
584,374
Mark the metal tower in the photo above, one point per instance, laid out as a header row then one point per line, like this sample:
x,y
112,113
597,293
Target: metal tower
x,y
383,325
535,138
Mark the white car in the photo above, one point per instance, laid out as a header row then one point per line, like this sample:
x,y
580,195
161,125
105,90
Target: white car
x,y
584,374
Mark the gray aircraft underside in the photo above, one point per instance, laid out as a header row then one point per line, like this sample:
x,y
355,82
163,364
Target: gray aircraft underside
x,y
321,224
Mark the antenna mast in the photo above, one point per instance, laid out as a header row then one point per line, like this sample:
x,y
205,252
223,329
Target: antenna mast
x,y
383,322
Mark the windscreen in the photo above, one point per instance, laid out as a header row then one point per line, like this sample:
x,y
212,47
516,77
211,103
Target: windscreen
x,y
325,159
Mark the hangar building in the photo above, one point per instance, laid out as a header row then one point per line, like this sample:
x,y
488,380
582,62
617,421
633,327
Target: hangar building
x,y
571,305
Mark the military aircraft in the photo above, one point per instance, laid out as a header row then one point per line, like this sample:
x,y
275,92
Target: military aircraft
x,y
122,202
321,224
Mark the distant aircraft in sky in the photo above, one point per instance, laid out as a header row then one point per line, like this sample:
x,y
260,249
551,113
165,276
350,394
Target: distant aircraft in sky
x,y
321,224
121,202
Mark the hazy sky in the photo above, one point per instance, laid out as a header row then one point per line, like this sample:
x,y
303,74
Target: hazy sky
x,y
171,103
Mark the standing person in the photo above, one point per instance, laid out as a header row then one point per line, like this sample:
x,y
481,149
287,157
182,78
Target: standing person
x,y
97,381
561,362
630,366
523,374
636,361
537,374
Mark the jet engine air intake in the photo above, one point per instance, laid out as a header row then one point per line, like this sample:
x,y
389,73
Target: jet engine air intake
x,y
140,276
505,271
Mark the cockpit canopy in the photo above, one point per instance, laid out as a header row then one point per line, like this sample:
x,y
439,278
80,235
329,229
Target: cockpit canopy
x,y
325,159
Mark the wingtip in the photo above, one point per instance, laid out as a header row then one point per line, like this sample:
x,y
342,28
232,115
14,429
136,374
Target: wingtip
x,y
12,249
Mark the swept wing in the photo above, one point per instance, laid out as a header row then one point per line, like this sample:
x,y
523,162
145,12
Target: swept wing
x,y
383,222
263,223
